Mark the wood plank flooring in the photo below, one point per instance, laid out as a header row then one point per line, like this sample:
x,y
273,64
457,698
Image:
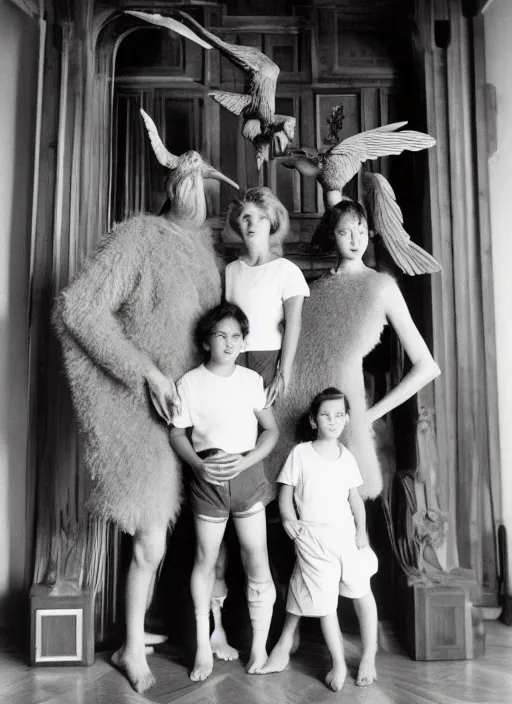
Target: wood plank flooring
x,y
487,680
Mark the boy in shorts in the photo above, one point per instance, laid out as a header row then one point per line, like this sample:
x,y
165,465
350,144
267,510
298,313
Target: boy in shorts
x,y
220,406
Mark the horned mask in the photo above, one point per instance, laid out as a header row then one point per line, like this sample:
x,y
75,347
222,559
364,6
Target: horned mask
x,y
185,187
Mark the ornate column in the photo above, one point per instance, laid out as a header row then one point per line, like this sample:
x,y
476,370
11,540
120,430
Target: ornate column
x,y
70,549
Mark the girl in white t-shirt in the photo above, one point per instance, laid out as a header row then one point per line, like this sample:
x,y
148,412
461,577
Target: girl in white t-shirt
x,y
324,514
268,288
215,431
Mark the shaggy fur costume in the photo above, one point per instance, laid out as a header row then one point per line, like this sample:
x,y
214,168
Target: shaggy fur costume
x,y
134,305
341,323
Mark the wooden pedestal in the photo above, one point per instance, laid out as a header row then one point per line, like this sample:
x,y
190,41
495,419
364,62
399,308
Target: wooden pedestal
x,y
440,623
61,627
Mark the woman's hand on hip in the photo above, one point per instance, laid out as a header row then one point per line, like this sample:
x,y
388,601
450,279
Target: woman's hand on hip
x,y
162,391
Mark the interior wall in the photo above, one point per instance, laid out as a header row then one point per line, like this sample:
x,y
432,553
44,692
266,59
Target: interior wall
x,y
498,32
18,86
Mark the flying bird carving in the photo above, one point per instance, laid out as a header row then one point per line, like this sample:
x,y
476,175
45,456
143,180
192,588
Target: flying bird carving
x,y
257,106
334,168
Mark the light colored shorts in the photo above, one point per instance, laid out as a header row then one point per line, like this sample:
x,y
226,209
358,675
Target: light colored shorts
x,y
327,566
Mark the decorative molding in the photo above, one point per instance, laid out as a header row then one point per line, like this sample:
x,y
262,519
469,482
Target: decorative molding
x,y
30,7
273,24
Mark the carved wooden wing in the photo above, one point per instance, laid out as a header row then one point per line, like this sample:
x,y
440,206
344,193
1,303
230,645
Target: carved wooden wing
x,y
343,161
234,102
386,216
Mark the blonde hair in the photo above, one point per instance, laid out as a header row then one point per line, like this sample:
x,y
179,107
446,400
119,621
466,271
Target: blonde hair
x,y
263,198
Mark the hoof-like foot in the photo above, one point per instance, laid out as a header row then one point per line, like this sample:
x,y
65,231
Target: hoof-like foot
x,y
256,661
335,679
277,661
367,673
135,668
154,638
203,665
220,646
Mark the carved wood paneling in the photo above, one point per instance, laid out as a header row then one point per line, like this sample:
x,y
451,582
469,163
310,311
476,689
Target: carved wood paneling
x,y
77,183
459,323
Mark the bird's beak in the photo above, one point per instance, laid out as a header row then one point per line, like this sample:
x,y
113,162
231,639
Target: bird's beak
x,y
210,172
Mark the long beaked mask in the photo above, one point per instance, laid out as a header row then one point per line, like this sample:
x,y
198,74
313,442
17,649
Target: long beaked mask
x,y
185,184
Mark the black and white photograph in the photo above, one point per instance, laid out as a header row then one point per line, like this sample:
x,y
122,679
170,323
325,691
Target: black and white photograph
x,y
255,352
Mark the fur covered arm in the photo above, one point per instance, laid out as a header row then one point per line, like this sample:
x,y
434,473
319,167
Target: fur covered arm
x,y
86,309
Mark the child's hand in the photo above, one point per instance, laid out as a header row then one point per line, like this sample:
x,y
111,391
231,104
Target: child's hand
x,y
292,528
361,540
222,467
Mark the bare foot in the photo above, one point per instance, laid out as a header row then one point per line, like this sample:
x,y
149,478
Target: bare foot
x,y
203,664
135,668
336,677
221,647
154,638
367,673
256,662
277,661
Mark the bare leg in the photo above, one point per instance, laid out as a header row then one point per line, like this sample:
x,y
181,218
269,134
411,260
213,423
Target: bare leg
x,y
261,593
147,552
209,536
280,655
218,639
366,610
331,630
151,639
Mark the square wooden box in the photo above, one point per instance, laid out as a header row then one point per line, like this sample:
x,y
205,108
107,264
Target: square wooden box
x,y
61,627
442,624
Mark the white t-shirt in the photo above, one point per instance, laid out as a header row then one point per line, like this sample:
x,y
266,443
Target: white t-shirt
x,y
220,409
321,486
260,292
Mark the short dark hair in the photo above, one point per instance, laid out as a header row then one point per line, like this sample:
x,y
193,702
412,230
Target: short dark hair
x,y
329,394
263,198
323,240
211,318
305,432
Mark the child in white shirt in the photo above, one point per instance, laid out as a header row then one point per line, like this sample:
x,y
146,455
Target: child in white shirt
x,y
223,404
268,288
324,515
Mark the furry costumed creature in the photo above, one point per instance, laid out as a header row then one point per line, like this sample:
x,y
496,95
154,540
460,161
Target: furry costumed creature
x,y
134,305
133,308
342,321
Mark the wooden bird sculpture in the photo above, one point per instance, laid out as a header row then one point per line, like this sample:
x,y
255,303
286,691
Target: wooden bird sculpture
x,y
335,167
184,185
261,125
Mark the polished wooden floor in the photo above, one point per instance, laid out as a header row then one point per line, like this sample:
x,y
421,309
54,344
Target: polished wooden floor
x,y
487,680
